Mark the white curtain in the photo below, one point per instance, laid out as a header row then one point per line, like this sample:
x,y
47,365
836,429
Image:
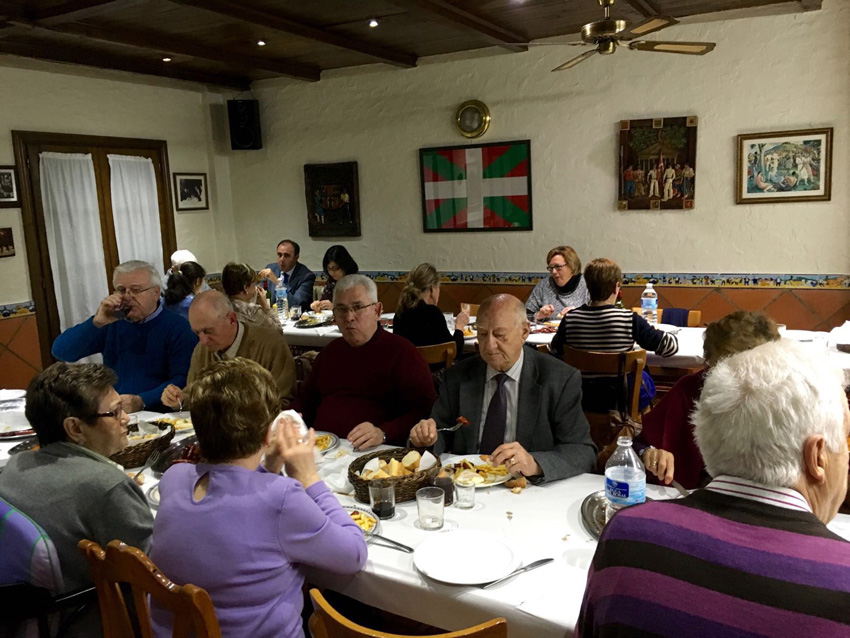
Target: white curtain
x,y
72,223
135,209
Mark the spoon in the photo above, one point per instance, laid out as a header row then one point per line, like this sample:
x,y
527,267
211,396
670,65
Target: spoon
x,y
529,567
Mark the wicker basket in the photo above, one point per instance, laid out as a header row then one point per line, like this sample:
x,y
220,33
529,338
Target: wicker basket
x,y
405,486
136,455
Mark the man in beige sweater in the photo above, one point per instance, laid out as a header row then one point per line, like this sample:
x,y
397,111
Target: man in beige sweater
x,y
222,336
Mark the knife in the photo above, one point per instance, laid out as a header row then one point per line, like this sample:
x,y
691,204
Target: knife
x,y
529,567
680,489
393,544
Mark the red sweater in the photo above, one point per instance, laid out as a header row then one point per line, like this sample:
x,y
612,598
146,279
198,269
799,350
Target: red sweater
x,y
385,382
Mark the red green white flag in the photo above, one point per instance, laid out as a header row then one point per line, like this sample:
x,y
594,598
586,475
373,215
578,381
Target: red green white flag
x,y
477,187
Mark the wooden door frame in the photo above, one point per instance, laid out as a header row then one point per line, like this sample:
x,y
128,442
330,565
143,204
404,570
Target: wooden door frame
x,y
38,259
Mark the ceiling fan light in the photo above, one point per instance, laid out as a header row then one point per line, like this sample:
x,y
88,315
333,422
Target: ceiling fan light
x,y
373,23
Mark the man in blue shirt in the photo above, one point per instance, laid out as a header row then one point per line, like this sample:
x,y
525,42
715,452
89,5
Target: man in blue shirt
x,y
297,278
147,348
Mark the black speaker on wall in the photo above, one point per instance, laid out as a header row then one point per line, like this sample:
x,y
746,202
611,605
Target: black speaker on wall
x,y
244,118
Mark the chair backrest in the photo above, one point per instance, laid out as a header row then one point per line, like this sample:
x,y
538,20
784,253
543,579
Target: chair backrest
x,y
327,622
673,317
192,607
470,308
444,353
616,364
27,554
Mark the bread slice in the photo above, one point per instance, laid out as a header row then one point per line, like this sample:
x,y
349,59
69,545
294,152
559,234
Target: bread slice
x,y
411,460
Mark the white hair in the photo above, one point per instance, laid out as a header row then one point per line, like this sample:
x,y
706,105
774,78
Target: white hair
x,y
352,281
179,257
136,265
758,407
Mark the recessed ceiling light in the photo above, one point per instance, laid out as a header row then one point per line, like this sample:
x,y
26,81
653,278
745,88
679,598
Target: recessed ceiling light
x,y
166,59
261,43
373,23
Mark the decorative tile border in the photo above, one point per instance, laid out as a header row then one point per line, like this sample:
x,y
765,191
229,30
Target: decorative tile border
x,y
17,310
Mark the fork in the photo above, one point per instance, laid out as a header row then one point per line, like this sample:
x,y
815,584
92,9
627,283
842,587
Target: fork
x,y
454,428
153,458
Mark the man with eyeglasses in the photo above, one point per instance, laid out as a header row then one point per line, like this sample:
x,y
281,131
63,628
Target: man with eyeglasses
x,y
297,278
147,348
370,386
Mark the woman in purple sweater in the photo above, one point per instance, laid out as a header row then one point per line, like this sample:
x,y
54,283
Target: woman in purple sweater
x,y
239,529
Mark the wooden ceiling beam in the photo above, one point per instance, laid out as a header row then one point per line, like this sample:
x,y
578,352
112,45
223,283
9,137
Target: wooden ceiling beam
x,y
116,63
643,7
167,44
455,15
811,5
276,22
76,10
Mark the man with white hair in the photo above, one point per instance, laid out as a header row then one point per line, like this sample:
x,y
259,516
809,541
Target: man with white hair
x,y
146,347
222,336
370,386
523,406
750,554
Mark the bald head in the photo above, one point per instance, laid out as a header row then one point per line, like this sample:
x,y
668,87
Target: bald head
x,y
212,318
502,329
508,305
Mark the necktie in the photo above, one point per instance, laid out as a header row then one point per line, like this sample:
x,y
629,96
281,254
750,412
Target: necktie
x,y
497,416
285,278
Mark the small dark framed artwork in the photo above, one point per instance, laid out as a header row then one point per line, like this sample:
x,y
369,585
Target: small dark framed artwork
x,y
333,199
190,191
10,196
7,243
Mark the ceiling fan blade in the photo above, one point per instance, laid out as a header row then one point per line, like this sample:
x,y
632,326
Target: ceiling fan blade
x,y
686,48
577,60
578,43
645,27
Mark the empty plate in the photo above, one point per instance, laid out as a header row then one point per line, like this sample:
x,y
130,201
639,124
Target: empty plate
x,y
466,557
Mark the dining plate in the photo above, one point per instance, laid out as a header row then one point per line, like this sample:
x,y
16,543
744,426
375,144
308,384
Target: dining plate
x,y
332,442
466,557
368,522
153,495
668,327
476,461
180,420
185,449
469,333
13,421
8,395
313,322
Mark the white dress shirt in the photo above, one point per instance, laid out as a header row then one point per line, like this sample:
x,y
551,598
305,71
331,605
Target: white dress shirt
x,y
511,395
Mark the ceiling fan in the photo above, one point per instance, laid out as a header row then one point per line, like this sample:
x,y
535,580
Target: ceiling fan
x,y
607,34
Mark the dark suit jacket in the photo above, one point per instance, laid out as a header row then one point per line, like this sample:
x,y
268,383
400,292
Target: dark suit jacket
x,y
300,286
550,422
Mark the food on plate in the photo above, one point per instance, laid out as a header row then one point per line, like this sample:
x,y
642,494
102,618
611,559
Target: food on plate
x,y
179,424
323,442
484,472
394,468
469,332
190,454
468,477
363,520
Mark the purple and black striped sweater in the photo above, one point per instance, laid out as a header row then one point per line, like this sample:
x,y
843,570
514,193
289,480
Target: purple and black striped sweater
x,y
717,565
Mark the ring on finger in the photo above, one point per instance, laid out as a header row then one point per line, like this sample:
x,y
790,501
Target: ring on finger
x,y
513,461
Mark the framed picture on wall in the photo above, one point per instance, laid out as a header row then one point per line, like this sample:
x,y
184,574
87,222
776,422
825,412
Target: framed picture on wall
x,y
190,191
483,187
333,199
9,195
658,161
784,166
7,243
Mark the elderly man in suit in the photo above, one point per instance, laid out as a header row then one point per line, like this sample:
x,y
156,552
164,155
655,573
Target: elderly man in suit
x,y
523,406
297,278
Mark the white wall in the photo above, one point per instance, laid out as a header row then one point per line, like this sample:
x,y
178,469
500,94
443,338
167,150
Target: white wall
x,y
64,99
768,73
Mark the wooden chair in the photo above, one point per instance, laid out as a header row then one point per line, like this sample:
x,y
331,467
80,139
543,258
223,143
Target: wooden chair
x,y
444,353
470,308
694,317
192,607
326,622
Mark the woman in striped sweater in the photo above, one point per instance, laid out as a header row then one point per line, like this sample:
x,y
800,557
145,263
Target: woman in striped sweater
x,y
602,327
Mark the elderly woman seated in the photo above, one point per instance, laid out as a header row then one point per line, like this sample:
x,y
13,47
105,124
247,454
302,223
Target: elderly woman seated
x,y
250,304
236,527
69,486
563,290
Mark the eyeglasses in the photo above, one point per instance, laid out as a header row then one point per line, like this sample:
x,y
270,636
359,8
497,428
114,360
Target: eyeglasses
x,y
342,311
556,268
113,414
133,292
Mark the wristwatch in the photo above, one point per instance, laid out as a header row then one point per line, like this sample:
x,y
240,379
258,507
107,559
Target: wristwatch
x,y
385,438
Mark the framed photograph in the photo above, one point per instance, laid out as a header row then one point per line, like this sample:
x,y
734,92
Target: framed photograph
x,y
7,243
784,166
9,194
190,191
483,187
658,162
333,199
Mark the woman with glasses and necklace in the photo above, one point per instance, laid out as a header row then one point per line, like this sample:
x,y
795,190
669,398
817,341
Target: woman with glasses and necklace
x,y
69,486
563,290
337,263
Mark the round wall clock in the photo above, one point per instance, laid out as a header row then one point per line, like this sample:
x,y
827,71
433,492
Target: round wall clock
x,y
472,118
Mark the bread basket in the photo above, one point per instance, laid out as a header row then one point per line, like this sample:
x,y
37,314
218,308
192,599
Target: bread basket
x,y
136,455
405,486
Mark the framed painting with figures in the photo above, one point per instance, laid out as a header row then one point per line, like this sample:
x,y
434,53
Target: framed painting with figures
x,y
7,243
333,199
784,166
658,163
9,195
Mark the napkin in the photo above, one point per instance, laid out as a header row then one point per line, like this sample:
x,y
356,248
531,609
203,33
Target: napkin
x,y
841,334
302,428
428,461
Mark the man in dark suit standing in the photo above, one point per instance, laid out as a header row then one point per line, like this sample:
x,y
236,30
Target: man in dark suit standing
x,y
298,278
523,406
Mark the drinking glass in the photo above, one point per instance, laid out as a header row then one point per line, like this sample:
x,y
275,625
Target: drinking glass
x,y
430,504
295,313
447,484
382,498
464,495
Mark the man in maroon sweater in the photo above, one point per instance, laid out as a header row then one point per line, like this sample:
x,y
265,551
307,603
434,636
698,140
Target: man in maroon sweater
x,y
370,386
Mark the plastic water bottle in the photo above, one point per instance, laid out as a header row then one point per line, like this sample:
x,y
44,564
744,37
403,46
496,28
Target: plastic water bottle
x,y
282,301
625,478
649,304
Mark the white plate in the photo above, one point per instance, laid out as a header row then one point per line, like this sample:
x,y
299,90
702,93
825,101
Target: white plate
x,y
6,395
668,327
334,444
153,495
474,335
476,460
14,424
466,557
